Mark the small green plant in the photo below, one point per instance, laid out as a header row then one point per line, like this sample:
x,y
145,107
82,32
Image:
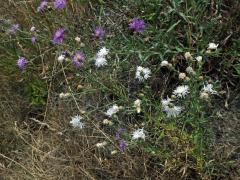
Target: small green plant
x,y
36,92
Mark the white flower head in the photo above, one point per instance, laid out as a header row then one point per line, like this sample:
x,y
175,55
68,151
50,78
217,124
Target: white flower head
x,y
164,63
61,58
181,91
137,105
112,110
172,110
76,122
199,58
142,73
102,52
208,88
212,46
139,133
100,61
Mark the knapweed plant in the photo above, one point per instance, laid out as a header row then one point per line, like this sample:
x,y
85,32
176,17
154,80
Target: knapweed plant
x,y
117,89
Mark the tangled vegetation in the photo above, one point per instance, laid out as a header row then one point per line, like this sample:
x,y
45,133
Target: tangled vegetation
x,y
105,89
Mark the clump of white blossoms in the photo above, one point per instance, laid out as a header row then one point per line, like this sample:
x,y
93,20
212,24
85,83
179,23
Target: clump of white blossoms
x,y
139,133
212,46
112,110
76,122
208,88
100,59
181,91
170,108
142,73
137,105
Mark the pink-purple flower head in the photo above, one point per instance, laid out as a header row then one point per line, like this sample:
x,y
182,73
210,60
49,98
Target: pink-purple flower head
x,y
118,133
122,145
59,4
99,32
22,63
34,39
43,6
78,59
14,28
137,24
58,36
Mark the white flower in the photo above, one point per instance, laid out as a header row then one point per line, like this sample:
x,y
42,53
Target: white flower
x,y
164,63
208,88
61,58
102,144
170,108
142,73
137,105
112,110
103,52
100,61
138,134
199,58
166,102
181,91
76,122
212,46
77,39
172,111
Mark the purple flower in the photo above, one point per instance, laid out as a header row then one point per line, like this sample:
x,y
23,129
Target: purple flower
x,y
78,59
22,63
137,24
99,32
42,6
14,28
122,145
58,36
34,39
118,133
59,4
